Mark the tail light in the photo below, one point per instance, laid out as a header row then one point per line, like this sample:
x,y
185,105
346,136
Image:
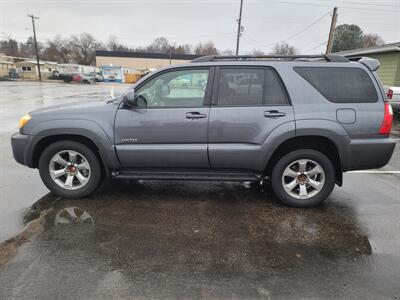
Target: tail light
x,y
390,94
386,126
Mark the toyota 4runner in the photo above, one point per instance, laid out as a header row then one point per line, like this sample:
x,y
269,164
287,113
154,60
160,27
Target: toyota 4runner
x,y
299,121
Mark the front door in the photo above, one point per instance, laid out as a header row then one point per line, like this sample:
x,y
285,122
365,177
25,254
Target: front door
x,y
168,128
248,104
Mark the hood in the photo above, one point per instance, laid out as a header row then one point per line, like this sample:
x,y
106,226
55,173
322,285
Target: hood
x,y
74,107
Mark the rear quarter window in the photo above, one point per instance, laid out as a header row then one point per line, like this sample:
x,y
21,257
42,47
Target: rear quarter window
x,y
340,85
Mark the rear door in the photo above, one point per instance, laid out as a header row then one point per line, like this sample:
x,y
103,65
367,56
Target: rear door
x,y
169,127
248,104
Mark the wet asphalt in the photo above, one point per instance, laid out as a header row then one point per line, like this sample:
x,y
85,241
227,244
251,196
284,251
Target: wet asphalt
x,y
201,240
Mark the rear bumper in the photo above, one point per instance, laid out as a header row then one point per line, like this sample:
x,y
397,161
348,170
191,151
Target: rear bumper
x,y
368,154
19,144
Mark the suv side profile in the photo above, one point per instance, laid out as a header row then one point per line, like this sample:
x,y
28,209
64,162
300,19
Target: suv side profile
x,y
299,121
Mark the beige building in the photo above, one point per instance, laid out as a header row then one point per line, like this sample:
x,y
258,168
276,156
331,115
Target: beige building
x,y
141,61
6,64
27,69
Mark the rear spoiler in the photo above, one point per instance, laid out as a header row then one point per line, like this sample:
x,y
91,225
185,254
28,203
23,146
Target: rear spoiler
x,y
371,63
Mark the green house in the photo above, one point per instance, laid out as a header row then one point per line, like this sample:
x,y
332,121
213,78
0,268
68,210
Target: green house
x,y
389,57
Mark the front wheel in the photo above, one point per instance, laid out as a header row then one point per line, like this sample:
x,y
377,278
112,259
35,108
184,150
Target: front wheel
x,y
70,169
303,178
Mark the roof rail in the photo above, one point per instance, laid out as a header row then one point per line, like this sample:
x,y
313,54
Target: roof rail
x,y
328,57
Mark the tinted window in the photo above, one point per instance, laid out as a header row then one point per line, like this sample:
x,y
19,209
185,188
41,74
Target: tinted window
x,y
340,85
183,88
274,93
241,86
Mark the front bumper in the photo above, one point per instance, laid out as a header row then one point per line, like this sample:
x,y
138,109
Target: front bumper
x,y
19,144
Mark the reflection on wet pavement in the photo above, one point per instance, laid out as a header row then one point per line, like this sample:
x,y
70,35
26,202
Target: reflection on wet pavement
x,y
216,213
151,239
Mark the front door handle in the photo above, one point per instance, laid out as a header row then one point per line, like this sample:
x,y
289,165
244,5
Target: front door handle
x,y
274,114
195,115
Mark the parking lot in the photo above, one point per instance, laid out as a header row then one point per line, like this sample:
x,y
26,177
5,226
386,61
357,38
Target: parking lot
x,y
169,240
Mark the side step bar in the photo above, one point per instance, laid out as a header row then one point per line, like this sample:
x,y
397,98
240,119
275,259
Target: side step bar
x,y
203,176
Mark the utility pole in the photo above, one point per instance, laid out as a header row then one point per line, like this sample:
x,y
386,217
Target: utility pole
x,y
331,32
239,32
36,47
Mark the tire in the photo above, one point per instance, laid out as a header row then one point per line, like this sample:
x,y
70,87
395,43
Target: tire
x,y
75,169
311,187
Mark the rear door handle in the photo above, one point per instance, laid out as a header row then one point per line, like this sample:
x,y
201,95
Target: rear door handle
x,y
274,114
195,115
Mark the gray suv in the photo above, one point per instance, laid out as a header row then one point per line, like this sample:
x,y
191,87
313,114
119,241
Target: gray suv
x,y
298,121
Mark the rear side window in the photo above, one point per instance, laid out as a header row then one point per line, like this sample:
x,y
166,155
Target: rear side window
x,y
249,87
340,85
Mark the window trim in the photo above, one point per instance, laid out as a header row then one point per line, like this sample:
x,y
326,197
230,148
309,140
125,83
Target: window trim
x,y
334,67
207,93
214,102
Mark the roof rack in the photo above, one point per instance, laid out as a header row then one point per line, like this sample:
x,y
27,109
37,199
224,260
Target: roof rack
x,y
327,57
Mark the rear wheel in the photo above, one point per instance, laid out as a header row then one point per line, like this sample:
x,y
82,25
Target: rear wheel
x,y
70,169
303,178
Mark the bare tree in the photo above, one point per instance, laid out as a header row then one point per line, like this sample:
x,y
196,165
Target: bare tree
x,y
372,40
9,47
113,44
284,49
58,49
160,44
181,49
83,48
206,49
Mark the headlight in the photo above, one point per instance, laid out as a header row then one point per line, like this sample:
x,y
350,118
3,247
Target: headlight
x,y
24,120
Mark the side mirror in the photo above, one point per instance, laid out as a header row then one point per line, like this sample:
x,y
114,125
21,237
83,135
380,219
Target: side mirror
x,y
129,98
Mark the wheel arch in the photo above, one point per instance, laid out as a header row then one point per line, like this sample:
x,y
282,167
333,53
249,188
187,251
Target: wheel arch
x,y
319,143
48,140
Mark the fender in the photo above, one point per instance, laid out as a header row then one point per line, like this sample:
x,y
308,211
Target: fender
x,y
85,128
277,136
323,128
329,129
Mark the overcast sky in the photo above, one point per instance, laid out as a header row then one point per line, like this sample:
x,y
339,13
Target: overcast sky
x,y
138,22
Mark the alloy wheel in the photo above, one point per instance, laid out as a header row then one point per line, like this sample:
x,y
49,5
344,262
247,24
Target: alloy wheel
x,y
303,178
69,169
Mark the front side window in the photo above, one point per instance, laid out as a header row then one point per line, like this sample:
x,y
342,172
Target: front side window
x,y
241,86
181,88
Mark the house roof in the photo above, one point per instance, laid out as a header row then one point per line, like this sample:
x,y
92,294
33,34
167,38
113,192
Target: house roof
x,y
34,62
393,47
146,55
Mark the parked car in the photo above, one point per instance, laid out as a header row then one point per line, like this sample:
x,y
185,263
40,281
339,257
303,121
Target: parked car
x,y
12,74
65,77
300,124
83,78
393,95
97,77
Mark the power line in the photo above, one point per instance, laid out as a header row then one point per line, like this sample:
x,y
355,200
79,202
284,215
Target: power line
x,y
297,33
331,5
320,45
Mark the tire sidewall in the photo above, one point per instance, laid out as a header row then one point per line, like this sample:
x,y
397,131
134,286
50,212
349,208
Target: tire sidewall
x,y
95,169
321,159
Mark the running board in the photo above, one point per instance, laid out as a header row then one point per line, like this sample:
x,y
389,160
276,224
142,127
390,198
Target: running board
x,y
202,176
